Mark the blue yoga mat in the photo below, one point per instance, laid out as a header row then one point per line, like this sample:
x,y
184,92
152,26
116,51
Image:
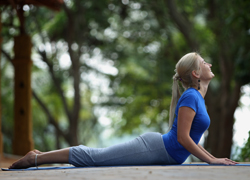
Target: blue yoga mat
x,y
72,167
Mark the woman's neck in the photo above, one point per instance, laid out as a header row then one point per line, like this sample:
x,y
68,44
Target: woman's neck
x,y
203,89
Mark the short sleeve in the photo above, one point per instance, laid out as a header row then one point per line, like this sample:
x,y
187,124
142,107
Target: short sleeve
x,y
189,100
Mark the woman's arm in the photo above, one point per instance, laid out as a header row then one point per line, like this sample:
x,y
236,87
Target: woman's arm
x,y
185,119
204,150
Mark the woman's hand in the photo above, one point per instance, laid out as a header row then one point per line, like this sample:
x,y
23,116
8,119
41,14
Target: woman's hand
x,y
224,161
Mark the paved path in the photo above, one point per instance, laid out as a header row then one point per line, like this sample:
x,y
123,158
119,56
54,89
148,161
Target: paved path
x,y
135,173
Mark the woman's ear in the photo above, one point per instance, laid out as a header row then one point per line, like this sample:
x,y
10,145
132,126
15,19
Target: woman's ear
x,y
195,74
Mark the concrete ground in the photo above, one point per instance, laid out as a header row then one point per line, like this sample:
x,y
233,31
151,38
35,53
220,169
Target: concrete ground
x,y
133,172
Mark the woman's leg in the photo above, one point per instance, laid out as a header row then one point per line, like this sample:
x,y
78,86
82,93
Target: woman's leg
x,y
147,149
57,156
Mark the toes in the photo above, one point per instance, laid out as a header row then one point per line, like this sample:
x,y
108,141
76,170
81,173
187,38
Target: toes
x,y
13,166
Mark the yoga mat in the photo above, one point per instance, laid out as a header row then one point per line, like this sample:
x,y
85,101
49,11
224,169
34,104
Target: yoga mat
x,y
73,167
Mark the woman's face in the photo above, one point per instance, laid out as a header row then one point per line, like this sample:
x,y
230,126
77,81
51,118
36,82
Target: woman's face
x,y
206,73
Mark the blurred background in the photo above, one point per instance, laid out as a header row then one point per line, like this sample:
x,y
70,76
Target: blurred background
x,y
102,70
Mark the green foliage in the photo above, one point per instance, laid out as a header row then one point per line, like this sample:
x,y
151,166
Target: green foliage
x,y
7,104
244,155
140,40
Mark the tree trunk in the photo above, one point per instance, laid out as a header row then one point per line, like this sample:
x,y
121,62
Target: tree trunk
x,y
183,25
1,136
221,106
219,141
75,60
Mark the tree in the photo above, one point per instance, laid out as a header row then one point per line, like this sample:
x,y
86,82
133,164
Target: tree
x,y
208,27
67,32
143,40
142,88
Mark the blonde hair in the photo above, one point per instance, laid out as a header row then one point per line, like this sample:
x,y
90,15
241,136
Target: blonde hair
x,y
183,69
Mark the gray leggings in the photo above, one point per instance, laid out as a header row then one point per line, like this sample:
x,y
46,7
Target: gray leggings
x,y
147,149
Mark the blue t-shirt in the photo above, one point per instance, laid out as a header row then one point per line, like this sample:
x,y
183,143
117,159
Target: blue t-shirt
x,y
193,99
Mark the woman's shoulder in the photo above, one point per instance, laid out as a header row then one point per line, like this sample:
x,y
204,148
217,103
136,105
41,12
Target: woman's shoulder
x,y
190,93
189,98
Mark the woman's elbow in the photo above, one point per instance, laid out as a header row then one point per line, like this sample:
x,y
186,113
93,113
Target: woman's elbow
x,y
182,140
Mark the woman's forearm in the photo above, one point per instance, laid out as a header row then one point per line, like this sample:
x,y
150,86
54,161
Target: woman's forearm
x,y
204,150
194,149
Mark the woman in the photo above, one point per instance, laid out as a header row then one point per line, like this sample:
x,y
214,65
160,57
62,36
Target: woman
x,y
188,121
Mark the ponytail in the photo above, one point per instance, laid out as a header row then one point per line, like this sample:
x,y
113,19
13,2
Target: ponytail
x,y
175,97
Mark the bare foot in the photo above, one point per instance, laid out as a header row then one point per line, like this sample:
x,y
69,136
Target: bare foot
x,y
27,161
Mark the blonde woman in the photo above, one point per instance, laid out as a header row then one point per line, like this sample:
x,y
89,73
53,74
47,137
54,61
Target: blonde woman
x,y
188,121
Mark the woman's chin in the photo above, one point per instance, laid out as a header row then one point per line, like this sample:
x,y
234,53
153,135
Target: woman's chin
x,y
212,74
